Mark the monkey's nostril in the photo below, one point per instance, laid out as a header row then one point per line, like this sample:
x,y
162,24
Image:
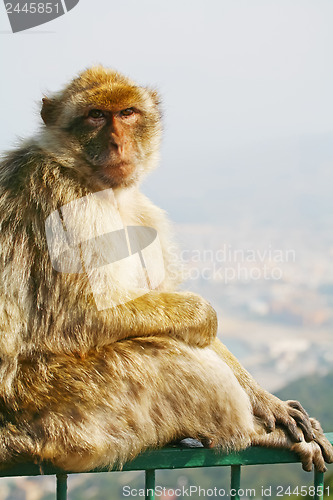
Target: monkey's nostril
x,y
115,142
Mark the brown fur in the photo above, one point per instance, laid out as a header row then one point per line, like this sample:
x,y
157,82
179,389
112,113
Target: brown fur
x,y
85,388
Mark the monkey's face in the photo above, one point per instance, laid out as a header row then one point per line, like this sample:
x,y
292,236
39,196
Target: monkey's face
x,y
108,123
114,140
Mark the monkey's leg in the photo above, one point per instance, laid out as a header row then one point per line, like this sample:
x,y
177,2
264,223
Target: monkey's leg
x,y
311,453
106,408
268,408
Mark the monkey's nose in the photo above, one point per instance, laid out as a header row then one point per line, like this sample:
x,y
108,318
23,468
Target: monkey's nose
x,y
115,140
117,144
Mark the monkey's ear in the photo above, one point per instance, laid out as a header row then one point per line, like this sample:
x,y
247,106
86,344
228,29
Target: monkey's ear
x,y
155,96
49,111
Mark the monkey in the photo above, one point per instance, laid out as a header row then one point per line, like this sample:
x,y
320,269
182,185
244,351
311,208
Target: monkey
x,y
87,383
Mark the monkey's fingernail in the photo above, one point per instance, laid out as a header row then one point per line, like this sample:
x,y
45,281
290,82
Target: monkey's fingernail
x,y
313,436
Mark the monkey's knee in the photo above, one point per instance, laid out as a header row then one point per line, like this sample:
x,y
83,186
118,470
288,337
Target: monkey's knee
x,y
236,421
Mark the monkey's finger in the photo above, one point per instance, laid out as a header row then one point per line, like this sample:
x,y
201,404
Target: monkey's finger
x,y
318,460
297,406
302,418
266,417
310,454
320,439
306,458
291,427
307,463
326,449
303,423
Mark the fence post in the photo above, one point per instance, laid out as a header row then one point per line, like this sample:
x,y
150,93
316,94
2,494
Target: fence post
x,y
319,485
61,486
150,484
235,481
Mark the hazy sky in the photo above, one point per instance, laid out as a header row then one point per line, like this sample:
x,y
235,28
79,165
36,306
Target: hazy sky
x,y
232,73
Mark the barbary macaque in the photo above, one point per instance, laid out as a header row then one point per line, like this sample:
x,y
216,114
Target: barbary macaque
x,y
96,366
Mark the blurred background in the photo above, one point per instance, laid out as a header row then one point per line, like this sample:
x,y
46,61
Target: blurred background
x,y
246,173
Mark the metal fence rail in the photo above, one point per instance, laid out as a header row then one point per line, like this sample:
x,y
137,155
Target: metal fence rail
x,y
178,458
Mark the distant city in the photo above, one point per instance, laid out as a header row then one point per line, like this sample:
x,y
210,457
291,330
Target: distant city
x,y
273,291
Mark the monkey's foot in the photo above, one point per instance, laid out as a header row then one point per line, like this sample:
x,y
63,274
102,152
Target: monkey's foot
x,y
290,415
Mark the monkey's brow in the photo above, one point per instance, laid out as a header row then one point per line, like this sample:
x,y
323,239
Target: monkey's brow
x,y
106,95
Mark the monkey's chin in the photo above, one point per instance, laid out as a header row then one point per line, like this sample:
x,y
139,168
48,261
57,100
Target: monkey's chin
x,y
120,174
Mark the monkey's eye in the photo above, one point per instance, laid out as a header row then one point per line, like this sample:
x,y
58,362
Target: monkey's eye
x,y
96,114
126,112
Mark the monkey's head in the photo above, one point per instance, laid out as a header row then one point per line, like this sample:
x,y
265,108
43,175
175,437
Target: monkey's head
x,y
106,125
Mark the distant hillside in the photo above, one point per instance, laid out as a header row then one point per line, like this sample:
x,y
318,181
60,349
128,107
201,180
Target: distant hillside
x,y
316,395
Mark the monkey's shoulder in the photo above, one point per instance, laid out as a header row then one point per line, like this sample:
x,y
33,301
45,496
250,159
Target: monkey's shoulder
x,y
17,163
31,177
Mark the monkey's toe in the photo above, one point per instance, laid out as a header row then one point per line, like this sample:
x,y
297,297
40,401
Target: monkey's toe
x,y
310,454
325,445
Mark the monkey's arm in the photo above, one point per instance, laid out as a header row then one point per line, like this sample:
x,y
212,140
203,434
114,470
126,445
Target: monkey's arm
x,y
185,316
268,408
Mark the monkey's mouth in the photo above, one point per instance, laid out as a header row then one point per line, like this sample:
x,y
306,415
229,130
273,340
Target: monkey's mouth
x,y
121,169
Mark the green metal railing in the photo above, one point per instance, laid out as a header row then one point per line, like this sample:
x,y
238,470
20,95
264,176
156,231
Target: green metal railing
x,y
179,458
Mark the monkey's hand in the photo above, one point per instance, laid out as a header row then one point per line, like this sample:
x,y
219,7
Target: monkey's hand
x,y
194,320
269,410
313,453
290,415
184,316
289,420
